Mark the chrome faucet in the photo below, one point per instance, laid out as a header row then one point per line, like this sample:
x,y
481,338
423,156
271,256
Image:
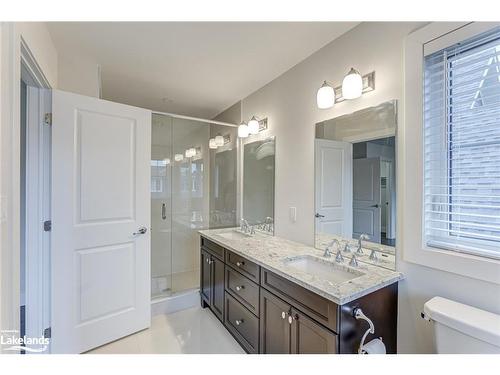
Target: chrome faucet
x,y
354,261
362,237
339,258
244,227
328,252
269,224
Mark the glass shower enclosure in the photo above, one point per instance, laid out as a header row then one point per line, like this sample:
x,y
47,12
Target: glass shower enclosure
x,y
193,187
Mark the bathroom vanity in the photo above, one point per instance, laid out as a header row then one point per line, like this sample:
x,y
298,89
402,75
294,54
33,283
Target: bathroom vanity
x,y
279,296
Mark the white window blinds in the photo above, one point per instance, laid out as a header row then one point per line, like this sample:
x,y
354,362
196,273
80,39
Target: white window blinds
x,y
462,146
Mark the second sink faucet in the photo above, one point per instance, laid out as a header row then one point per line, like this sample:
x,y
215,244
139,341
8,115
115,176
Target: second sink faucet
x,y
244,227
362,237
328,252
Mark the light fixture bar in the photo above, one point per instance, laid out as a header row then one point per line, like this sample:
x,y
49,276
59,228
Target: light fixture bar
x,y
368,85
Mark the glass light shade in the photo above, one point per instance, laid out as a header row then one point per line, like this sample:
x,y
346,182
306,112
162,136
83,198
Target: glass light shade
x,y
178,157
219,140
167,161
192,152
243,130
211,143
253,126
325,97
187,153
352,85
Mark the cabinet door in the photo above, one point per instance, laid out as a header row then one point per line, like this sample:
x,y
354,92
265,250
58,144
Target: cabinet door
x,y
274,324
217,300
309,337
205,277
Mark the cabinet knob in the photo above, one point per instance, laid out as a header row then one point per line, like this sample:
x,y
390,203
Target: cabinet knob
x,y
239,264
238,288
239,321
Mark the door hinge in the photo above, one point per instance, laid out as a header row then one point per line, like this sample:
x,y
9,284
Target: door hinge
x,y
47,226
47,119
47,333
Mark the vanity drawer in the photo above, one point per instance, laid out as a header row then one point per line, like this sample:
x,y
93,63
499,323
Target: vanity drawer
x,y
213,248
244,290
243,265
320,309
242,324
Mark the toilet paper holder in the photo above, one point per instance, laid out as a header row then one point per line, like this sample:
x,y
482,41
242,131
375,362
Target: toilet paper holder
x,y
360,315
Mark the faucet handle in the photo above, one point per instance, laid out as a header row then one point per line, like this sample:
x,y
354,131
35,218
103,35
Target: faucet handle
x,y
347,247
354,261
339,258
373,255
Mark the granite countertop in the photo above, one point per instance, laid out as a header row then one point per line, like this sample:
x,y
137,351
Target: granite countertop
x,y
274,253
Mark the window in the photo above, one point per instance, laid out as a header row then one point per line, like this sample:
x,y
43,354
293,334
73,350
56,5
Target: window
x,y
462,146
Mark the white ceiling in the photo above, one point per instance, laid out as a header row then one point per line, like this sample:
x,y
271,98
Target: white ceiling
x,y
196,69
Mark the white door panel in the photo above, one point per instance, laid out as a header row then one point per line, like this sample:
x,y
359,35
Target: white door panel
x,y
366,198
333,187
100,195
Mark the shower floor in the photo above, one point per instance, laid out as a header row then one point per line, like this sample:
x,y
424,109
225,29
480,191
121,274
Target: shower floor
x,y
166,285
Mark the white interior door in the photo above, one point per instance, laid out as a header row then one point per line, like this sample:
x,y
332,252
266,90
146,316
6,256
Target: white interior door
x,y
100,198
333,187
366,198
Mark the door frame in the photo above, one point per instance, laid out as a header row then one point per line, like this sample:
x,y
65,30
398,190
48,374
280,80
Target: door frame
x,y
37,197
14,51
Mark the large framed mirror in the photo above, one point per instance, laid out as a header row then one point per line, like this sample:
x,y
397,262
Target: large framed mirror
x,y
258,183
355,183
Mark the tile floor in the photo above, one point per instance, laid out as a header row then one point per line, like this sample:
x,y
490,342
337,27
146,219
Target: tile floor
x,y
191,331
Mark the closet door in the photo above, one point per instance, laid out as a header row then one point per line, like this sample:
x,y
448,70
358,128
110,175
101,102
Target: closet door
x,y
100,221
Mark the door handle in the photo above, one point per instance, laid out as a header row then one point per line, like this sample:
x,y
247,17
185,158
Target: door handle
x,y
142,230
163,211
318,215
375,206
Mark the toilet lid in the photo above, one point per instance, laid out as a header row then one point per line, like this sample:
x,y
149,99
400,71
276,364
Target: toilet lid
x,y
477,323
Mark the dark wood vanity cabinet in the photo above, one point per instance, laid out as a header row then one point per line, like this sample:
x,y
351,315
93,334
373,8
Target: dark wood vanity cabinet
x,y
212,283
274,325
269,314
286,330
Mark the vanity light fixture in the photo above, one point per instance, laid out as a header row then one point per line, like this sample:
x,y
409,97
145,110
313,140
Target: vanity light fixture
x,y
178,157
325,97
219,140
253,125
212,144
352,85
243,130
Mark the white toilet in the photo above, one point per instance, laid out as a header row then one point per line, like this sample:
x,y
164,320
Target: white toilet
x,y
460,328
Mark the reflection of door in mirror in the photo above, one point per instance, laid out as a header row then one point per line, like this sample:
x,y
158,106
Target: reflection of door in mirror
x,y
374,191
333,187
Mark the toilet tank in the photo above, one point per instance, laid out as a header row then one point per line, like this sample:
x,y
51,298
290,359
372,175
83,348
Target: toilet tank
x,y
460,328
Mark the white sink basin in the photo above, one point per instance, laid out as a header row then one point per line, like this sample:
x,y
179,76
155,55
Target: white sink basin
x,y
233,235
335,273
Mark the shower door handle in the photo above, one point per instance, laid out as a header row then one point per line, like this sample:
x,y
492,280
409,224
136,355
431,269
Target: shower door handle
x,y
163,211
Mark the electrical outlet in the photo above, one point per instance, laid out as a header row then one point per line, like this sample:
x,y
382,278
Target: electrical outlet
x,y
293,214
